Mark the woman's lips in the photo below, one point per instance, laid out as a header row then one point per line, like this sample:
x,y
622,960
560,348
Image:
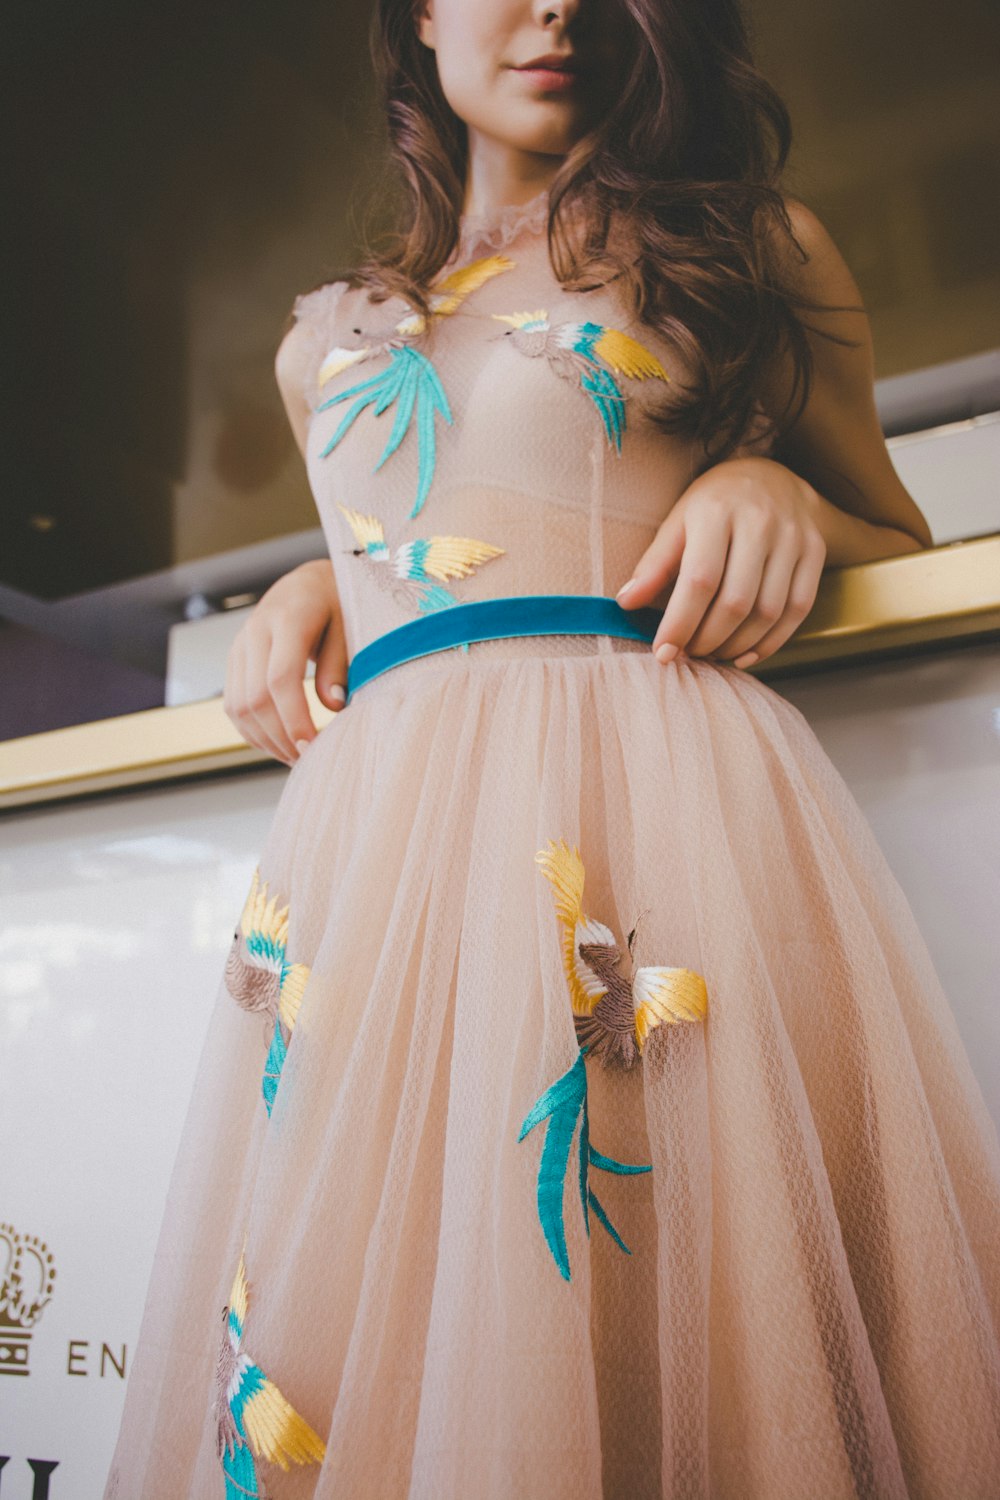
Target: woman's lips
x,y
551,79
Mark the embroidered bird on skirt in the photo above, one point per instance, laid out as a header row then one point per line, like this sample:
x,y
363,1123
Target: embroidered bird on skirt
x,y
253,1418
590,354
613,1019
613,1015
409,381
259,976
413,573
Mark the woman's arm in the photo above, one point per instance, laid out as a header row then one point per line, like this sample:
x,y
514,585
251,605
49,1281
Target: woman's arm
x,y
297,621
746,543
837,446
849,538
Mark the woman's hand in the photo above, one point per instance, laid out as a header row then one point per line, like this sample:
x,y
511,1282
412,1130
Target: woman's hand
x,y
745,544
296,621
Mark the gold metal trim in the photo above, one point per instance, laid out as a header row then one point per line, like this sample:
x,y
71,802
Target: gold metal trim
x,y
892,605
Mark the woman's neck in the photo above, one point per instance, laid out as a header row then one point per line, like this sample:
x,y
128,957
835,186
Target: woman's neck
x,y
497,178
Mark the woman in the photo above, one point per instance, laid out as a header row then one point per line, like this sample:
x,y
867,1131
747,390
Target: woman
x,y
544,892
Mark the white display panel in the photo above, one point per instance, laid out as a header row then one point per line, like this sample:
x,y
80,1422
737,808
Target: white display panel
x,y
116,915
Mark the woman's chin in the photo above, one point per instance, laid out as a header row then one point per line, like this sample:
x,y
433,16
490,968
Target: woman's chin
x,y
546,127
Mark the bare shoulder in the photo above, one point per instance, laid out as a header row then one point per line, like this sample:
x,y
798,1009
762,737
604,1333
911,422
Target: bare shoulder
x,y
292,356
292,363
312,326
820,272
807,226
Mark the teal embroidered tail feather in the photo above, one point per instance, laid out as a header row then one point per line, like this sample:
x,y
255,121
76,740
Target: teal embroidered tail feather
x,y
411,380
562,1104
606,395
272,1067
238,1467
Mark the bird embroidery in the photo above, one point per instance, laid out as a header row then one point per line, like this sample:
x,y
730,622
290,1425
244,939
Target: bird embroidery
x,y
420,563
590,354
612,1014
410,380
259,977
253,1418
589,958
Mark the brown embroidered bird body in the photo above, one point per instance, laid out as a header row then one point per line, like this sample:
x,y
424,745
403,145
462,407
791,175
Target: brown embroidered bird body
x,y
613,1015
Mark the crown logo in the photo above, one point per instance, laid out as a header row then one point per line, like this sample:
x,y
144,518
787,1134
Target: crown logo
x,y
25,1289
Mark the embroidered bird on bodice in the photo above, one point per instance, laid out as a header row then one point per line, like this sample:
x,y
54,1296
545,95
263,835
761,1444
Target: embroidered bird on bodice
x,y
260,978
410,380
590,354
414,573
253,1418
613,1015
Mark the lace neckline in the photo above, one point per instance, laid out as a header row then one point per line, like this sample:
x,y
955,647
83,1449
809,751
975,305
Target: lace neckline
x,y
495,229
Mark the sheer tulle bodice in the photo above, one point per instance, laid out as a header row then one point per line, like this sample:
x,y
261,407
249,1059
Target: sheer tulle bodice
x,y
527,460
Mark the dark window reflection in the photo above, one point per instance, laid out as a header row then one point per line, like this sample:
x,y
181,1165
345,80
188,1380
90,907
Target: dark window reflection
x,y
180,171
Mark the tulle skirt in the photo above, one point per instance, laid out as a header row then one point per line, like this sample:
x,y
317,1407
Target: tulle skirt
x,y
359,1291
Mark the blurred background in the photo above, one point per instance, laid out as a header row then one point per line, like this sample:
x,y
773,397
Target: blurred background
x,y
177,173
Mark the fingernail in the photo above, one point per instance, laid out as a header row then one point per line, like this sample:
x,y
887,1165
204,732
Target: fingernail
x,y
747,659
302,746
337,692
625,587
666,652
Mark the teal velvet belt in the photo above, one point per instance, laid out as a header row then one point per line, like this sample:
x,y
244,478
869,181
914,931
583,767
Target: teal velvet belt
x,y
510,615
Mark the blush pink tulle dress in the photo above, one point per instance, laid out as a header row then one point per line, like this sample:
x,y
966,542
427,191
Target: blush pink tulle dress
x,y
580,1113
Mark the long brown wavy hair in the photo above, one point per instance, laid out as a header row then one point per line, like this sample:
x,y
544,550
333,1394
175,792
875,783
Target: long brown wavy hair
x,y
692,150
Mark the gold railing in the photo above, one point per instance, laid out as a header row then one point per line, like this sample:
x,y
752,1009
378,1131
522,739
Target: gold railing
x,y
896,605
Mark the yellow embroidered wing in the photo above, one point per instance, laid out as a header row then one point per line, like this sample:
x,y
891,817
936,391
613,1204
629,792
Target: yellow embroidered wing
x,y
366,528
626,356
666,995
276,1431
443,556
446,295
267,921
340,358
538,319
262,915
293,987
239,1296
563,867
451,291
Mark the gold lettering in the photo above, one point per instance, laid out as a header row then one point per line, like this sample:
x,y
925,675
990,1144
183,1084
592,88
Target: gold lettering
x,y
119,1367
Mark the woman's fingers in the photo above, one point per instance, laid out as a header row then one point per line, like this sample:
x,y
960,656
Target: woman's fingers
x,y
251,698
234,698
768,605
288,715
701,569
738,598
802,591
296,620
262,678
748,556
658,564
303,612
331,667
